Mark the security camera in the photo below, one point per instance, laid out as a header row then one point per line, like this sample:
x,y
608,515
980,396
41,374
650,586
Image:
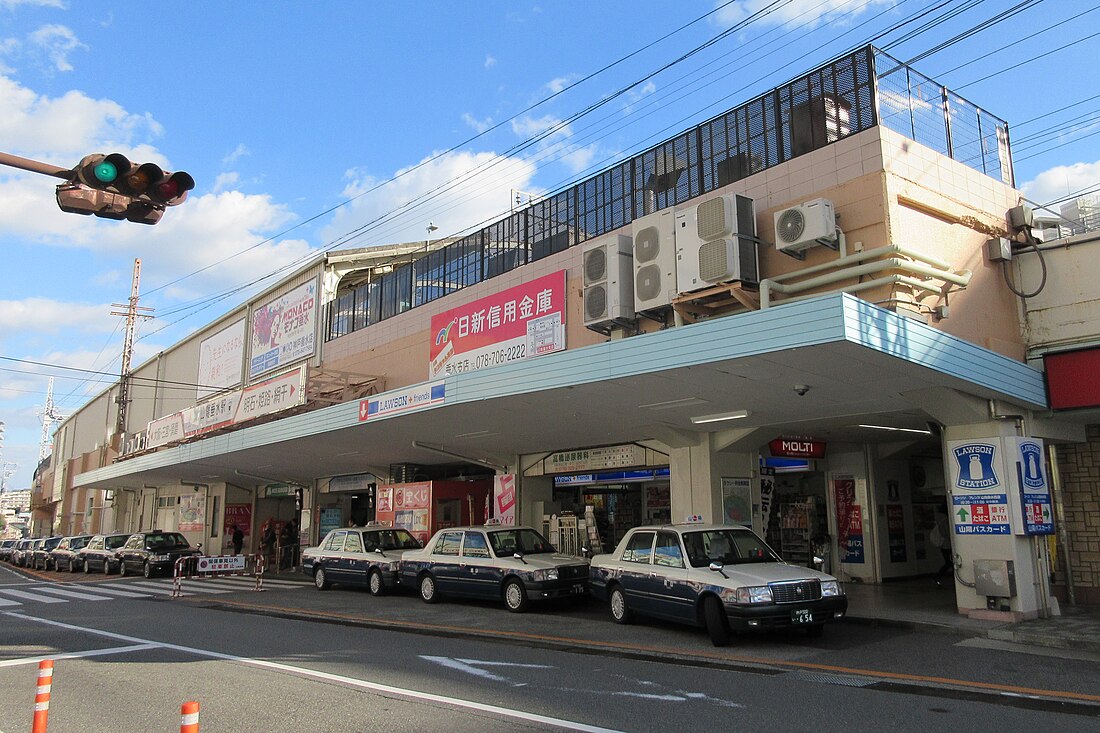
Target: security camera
x,y
801,389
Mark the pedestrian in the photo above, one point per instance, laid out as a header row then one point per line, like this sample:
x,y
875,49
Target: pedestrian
x,y
940,536
267,541
238,539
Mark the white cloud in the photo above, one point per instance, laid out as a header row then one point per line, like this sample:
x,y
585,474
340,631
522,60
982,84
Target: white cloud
x,y
528,126
812,11
56,42
226,181
560,83
1061,181
478,125
490,62
239,152
47,315
637,94
481,196
13,4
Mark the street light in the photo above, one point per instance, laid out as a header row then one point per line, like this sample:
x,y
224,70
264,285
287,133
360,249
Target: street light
x,y
431,228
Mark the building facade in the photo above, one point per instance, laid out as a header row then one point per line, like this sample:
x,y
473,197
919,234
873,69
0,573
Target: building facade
x,y
788,316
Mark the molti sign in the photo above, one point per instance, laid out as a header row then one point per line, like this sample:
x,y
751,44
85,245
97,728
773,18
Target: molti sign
x,y
797,447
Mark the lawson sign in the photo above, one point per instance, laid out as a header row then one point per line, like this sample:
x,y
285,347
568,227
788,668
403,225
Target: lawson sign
x,y
402,400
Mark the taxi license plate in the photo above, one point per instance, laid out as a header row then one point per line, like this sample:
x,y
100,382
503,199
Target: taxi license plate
x,y
802,616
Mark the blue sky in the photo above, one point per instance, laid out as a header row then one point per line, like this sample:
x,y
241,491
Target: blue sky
x,y
290,115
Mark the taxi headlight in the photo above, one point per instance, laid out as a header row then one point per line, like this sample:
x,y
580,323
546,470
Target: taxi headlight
x,y
748,594
831,588
541,575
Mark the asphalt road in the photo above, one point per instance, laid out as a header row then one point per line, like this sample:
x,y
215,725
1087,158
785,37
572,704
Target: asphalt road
x,y
356,663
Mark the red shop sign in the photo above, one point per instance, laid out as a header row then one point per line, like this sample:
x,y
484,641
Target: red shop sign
x,y
797,448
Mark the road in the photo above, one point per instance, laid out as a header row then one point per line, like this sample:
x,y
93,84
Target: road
x,y
129,655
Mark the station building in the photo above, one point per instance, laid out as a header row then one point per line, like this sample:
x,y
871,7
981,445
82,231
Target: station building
x,y
802,315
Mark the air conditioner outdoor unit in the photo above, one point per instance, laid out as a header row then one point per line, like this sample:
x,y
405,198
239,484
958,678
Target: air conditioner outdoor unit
x,y
608,280
654,260
807,225
716,242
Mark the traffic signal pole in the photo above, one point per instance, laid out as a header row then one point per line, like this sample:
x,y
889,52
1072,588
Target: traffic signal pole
x,y
35,166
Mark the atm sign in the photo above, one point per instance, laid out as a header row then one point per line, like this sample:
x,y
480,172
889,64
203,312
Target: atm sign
x,y
797,448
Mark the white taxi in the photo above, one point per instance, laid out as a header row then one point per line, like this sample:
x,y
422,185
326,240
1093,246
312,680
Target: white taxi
x,y
720,577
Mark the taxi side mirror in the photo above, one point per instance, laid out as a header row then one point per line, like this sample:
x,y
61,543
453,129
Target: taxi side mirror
x,y
717,567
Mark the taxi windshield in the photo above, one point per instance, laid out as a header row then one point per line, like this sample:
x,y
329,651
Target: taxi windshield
x,y
726,546
165,541
507,542
390,539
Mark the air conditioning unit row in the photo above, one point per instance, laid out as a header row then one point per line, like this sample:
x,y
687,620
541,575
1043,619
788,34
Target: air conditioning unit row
x,y
807,225
716,242
654,260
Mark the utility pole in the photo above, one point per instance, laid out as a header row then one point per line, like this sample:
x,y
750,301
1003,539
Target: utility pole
x,y
131,314
50,417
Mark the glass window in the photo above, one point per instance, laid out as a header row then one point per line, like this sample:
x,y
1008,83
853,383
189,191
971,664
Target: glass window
x,y
353,543
726,546
475,545
448,544
667,551
335,542
639,548
135,542
507,542
113,543
96,544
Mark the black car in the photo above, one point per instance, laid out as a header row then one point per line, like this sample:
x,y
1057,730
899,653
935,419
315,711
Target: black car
x,y
153,552
6,547
99,554
63,557
40,556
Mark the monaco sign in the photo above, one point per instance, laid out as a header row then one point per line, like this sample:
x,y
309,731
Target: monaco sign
x,y
797,448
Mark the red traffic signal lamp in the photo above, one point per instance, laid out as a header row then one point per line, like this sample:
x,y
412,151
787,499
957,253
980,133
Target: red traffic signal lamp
x,y
112,187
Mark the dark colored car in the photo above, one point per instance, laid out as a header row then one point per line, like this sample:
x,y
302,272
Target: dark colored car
x,y
513,564
154,552
40,556
6,547
19,554
64,556
359,556
719,577
99,554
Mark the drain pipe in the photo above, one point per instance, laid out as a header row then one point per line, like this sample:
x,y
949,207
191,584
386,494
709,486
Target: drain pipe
x,y
1060,518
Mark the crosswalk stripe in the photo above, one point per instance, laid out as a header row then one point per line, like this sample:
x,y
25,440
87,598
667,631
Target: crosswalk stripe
x,y
6,602
33,597
150,588
72,593
100,588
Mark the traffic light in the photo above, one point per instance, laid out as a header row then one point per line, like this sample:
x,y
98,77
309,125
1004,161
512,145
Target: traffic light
x,y
112,187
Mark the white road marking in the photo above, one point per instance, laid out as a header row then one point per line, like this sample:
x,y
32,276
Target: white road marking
x,y
72,593
149,587
78,655
32,596
350,681
6,602
102,588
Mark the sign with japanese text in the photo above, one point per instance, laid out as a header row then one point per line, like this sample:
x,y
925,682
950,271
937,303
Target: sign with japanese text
x,y
284,329
220,563
849,520
525,321
402,400
895,531
737,501
979,496
504,498
1036,505
595,459
221,358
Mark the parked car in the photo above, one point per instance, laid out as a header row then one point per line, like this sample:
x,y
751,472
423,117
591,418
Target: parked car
x,y
64,556
99,554
516,564
719,577
19,552
6,547
40,555
359,556
153,552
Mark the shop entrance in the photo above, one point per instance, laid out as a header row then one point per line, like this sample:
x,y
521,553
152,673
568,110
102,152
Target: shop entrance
x,y
620,500
798,526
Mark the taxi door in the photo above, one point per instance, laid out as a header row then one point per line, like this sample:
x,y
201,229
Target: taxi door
x,y
479,574
667,585
635,571
445,561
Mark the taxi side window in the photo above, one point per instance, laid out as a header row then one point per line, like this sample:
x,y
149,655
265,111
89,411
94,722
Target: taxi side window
x,y
448,544
667,552
335,542
639,548
475,546
353,543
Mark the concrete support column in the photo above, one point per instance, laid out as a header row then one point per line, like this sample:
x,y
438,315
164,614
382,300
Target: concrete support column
x,y
697,473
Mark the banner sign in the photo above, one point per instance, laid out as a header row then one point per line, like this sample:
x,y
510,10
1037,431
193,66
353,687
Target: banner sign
x,y
737,501
240,515
849,520
504,498
1035,502
221,358
895,530
192,517
403,400
220,563
979,497
797,448
595,459
284,329
515,324
767,492
241,405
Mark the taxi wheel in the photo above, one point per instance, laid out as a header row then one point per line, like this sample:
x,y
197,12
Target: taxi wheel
x,y
87,568
121,568
375,584
717,624
107,568
620,612
515,596
147,570
428,592
320,578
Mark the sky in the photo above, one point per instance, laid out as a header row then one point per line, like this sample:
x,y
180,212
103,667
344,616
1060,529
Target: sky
x,y
309,126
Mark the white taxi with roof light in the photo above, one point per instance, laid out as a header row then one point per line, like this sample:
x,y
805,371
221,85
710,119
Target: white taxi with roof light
x,y
720,577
